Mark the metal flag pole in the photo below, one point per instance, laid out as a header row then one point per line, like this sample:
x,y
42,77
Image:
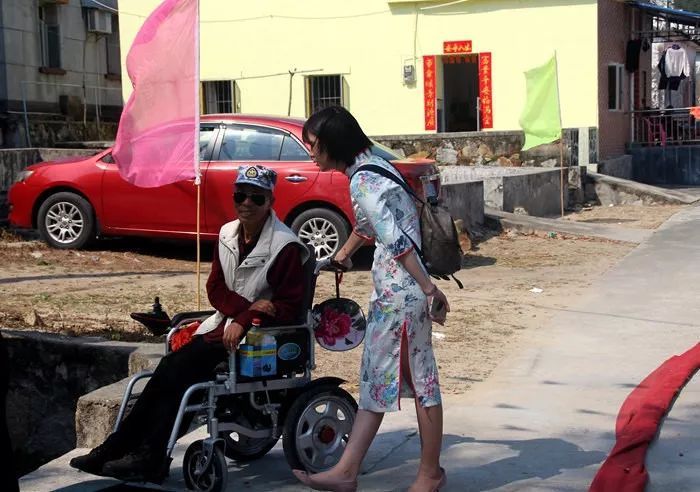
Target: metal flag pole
x,y
197,168
561,177
561,139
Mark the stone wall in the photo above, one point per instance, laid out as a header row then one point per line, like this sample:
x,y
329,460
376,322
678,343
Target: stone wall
x,y
48,373
531,191
536,193
48,133
465,201
619,167
487,148
609,190
670,165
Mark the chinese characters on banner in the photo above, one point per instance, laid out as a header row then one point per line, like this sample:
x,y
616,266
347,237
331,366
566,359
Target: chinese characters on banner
x,y
450,60
485,90
456,47
429,92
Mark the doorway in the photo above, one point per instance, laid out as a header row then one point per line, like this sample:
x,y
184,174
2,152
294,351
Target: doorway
x,y
460,93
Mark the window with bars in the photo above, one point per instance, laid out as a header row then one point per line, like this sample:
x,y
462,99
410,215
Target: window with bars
x,y
325,90
615,87
112,41
50,36
221,96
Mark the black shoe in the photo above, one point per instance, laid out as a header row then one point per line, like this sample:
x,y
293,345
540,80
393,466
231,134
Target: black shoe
x,y
95,459
139,466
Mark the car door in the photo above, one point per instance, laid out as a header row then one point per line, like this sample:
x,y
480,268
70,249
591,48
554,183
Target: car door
x,y
244,144
169,209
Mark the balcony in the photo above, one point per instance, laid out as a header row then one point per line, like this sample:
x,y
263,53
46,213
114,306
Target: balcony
x,y
664,127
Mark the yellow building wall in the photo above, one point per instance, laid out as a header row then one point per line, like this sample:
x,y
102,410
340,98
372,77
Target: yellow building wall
x,y
369,41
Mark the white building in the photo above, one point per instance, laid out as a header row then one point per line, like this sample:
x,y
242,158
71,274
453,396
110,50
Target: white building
x,y
60,70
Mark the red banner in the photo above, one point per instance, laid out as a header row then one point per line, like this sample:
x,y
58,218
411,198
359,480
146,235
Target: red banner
x,y
451,47
429,92
485,90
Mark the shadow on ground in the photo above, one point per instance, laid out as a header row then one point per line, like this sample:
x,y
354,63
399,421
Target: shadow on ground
x,y
108,485
523,459
536,458
474,261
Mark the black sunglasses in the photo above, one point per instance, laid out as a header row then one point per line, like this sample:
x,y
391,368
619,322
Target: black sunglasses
x,y
257,198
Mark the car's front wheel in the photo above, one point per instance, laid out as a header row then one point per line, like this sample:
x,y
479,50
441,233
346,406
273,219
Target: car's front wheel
x,y
66,221
323,229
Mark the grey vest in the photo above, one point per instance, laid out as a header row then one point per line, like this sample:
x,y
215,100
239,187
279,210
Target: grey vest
x,y
249,279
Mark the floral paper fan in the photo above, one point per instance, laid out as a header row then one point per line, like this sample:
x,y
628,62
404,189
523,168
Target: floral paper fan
x,y
339,324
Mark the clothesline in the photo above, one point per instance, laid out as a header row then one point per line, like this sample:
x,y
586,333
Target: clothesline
x,y
669,35
665,30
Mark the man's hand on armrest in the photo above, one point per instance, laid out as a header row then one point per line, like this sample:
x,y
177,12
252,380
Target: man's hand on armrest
x,y
233,333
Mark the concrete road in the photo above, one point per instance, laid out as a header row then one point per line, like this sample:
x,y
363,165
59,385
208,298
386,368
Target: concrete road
x,y
545,419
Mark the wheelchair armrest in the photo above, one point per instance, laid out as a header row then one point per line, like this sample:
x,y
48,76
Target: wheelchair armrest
x,y
189,316
181,320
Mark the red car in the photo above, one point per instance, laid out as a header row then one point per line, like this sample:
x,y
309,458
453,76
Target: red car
x,y
71,201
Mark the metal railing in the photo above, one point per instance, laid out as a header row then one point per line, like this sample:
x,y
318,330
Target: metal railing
x,y
662,127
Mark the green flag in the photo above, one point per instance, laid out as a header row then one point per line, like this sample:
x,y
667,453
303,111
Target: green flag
x,y
541,118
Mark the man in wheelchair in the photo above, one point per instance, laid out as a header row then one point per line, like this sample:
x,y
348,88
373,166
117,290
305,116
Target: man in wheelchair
x,y
256,268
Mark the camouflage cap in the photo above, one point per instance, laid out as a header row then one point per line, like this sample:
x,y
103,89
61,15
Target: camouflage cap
x,y
259,176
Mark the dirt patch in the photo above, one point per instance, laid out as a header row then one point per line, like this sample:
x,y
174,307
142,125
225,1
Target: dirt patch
x,y
630,216
93,292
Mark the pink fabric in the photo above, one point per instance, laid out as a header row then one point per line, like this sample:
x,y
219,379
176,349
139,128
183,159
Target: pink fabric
x,y
158,132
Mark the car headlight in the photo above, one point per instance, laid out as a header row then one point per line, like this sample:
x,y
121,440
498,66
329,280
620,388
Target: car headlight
x,y
23,176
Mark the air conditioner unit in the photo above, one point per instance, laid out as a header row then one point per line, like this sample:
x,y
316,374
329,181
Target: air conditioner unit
x,y
99,21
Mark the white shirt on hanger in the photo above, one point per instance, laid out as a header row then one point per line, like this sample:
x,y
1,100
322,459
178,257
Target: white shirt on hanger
x,y
677,62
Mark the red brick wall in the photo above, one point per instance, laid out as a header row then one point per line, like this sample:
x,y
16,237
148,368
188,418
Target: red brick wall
x,y
614,30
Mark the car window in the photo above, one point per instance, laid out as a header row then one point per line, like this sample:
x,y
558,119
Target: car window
x,y
384,152
293,150
205,136
242,143
206,133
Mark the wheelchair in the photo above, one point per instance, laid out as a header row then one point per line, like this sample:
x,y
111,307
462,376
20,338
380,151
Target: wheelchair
x,y
245,417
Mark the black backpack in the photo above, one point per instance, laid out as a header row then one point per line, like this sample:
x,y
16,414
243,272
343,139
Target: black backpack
x,y
441,254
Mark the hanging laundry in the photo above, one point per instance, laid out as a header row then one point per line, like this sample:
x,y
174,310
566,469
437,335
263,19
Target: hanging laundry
x,y
676,62
663,81
634,48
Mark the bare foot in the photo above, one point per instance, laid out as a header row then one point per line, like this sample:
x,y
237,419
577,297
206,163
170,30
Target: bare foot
x,y
429,483
333,480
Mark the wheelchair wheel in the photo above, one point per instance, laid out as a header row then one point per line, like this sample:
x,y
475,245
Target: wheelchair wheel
x,y
317,428
243,448
211,479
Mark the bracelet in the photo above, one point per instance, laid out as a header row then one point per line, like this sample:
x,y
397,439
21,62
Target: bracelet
x,y
432,291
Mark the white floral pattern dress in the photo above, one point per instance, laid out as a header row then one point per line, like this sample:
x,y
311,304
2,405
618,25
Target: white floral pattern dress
x,y
398,310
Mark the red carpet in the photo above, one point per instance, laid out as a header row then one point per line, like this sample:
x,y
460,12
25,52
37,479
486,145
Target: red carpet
x,y
638,423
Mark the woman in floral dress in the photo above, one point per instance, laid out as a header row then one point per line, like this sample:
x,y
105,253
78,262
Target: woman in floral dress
x,y
398,357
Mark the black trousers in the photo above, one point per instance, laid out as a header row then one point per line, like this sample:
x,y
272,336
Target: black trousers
x,y
8,478
151,420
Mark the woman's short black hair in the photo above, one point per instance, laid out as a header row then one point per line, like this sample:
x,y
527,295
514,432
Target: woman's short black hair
x,y
338,133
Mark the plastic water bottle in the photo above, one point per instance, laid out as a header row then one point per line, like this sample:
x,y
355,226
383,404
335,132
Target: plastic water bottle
x,y
268,362
251,351
255,334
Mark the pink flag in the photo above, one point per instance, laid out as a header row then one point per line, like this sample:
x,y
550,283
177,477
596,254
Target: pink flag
x,y
158,137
